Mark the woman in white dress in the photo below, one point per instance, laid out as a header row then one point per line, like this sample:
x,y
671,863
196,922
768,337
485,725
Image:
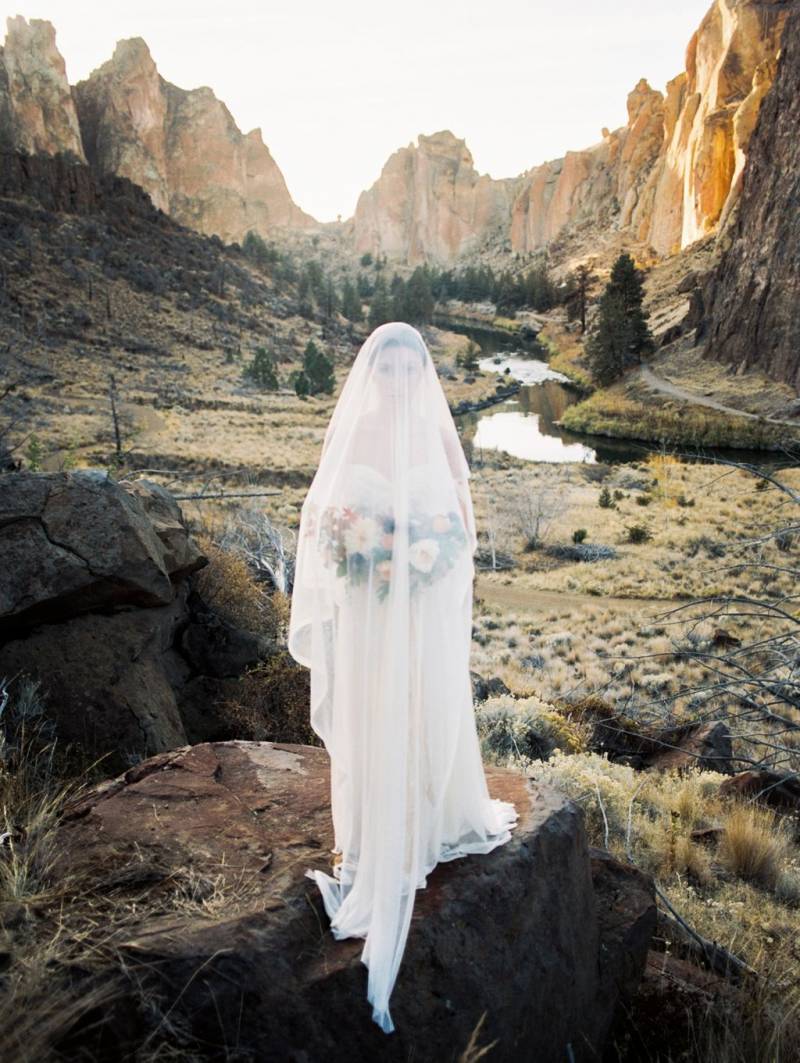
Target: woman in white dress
x,y
382,615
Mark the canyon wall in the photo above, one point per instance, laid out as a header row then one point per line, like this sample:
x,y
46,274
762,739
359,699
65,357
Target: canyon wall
x,y
754,295
183,147
668,177
430,203
37,112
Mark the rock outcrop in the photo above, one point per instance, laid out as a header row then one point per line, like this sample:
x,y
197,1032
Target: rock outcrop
x,y
430,203
96,604
601,185
37,111
183,147
752,298
668,177
520,933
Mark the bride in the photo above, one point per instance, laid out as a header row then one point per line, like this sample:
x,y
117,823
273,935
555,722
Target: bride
x,y
382,615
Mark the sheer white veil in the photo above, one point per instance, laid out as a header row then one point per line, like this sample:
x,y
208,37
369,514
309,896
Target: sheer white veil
x,y
381,614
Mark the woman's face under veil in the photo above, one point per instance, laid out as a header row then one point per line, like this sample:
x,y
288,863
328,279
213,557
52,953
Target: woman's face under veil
x,y
397,374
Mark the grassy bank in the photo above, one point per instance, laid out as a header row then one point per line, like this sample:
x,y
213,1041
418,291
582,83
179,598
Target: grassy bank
x,y
564,351
612,412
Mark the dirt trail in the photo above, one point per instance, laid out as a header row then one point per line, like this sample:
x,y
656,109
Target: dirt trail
x,y
666,387
516,596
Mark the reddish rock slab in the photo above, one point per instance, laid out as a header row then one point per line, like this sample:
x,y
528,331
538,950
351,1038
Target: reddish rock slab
x,y
513,933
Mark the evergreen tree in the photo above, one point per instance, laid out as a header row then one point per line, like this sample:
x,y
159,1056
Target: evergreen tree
x,y
351,302
622,334
305,299
331,299
365,289
318,369
469,360
506,294
301,385
419,297
539,289
380,309
576,295
261,370
397,298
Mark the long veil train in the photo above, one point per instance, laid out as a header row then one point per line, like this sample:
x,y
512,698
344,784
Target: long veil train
x,y
381,614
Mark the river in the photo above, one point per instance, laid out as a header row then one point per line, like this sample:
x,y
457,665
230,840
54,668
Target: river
x,y
525,425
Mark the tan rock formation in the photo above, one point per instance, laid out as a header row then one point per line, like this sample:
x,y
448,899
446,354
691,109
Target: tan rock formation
x,y
37,113
667,178
183,147
430,203
601,184
712,112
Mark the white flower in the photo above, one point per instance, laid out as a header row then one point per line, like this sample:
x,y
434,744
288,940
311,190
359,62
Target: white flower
x,y
423,553
362,535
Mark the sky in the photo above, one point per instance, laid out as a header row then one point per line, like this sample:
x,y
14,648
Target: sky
x,y
336,86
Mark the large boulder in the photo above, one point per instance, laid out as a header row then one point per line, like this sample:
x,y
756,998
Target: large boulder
x,y
80,541
109,680
96,604
519,933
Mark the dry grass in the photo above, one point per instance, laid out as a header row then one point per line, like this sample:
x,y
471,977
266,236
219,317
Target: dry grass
x,y
755,845
271,703
619,412
227,586
565,353
738,904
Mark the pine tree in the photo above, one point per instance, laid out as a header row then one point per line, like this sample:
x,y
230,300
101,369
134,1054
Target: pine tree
x,y
621,335
318,369
419,297
583,278
380,310
301,385
261,370
397,299
351,302
469,360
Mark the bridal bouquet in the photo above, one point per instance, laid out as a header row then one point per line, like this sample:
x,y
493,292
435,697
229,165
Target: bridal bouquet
x,y
359,542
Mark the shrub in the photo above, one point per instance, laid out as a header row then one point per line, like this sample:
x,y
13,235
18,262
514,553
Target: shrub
x,y
271,703
229,588
579,535
525,729
643,500
605,500
638,533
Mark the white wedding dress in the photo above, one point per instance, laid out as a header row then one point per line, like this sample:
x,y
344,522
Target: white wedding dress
x,y
392,697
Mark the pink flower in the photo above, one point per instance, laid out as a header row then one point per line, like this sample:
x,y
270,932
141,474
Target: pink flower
x,y
387,540
441,524
384,570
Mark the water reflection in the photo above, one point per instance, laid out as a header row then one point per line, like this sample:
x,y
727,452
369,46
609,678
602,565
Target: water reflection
x,y
525,425
520,434
526,370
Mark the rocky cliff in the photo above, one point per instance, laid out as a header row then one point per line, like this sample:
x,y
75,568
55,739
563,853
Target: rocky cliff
x,y
754,295
668,177
37,112
430,203
183,147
